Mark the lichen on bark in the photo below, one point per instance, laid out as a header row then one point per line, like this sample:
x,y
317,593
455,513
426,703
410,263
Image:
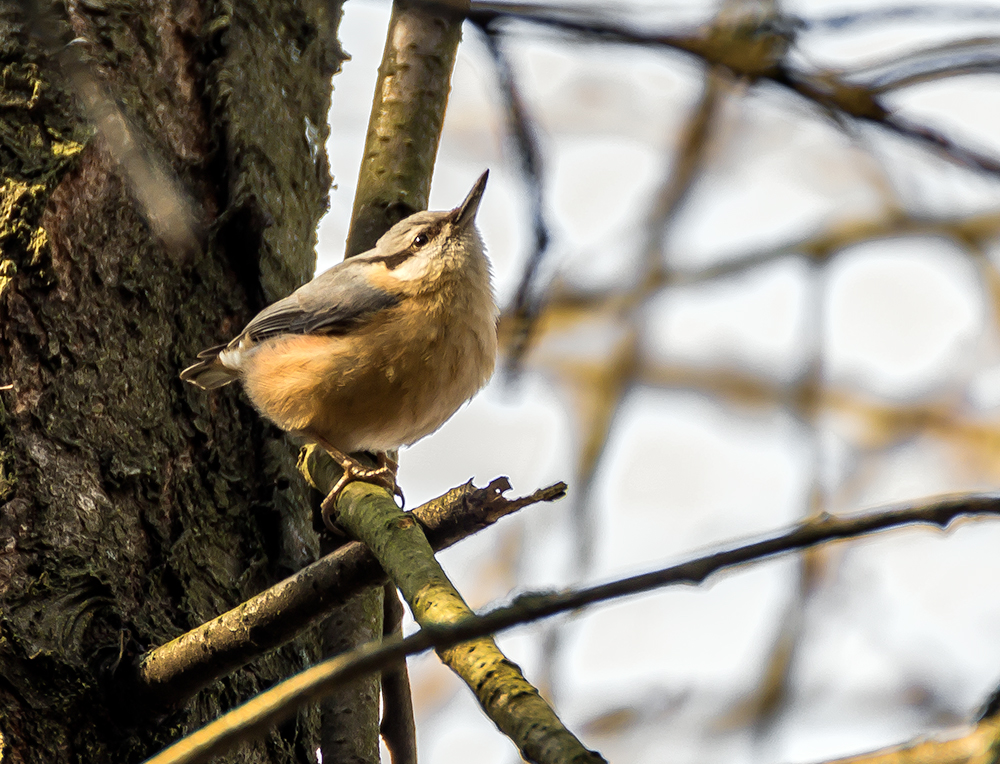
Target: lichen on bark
x,y
133,507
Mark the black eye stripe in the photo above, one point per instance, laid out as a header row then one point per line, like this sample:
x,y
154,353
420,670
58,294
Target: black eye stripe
x,y
392,262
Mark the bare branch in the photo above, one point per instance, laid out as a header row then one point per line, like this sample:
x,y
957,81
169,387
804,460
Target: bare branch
x,y
397,728
950,59
407,117
167,676
756,53
255,717
566,306
976,747
943,11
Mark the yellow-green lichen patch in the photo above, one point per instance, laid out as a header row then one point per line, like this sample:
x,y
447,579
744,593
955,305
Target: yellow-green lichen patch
x,y
8,269
20,209
20,86
65,149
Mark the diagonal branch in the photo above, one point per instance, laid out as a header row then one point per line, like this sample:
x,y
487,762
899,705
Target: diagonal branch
x,y
167,676
407,117
507,698
979,746
252,719
755,53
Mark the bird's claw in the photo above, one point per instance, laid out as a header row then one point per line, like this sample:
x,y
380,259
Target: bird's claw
x,y
384,476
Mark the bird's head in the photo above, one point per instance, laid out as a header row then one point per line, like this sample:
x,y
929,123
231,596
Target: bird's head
x,y
428,246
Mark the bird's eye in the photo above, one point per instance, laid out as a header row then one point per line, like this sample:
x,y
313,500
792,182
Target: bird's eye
x,y
420,240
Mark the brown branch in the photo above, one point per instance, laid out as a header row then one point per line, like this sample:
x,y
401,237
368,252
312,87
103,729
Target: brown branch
x,y
407,117
397,727
566,307
979,746
754,53
255,717
167,676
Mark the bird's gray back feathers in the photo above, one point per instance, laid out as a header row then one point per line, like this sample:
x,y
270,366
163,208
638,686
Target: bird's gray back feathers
x,y
332,303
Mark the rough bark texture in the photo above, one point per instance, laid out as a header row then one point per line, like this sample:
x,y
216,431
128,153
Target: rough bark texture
x,y
350,714
133,507
170,674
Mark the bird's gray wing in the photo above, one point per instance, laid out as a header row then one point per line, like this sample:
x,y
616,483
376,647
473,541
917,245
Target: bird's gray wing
x,y
334,302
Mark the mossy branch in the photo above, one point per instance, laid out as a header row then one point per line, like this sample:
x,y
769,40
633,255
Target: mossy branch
x,y
407,116
515,706
270,708
169,675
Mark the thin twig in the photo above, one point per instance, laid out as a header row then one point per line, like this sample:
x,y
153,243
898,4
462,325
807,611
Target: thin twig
x,y
526,305
255,717
940,11
753,54
568,304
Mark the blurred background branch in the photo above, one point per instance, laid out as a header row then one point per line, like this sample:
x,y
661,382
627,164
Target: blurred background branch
x,y
748,254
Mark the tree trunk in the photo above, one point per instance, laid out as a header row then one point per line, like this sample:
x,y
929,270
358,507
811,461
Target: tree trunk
x,y
133,507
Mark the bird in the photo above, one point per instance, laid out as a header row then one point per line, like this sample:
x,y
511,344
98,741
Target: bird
x,y
377,352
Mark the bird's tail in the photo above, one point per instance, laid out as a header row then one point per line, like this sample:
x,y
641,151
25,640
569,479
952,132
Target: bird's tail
x,y
209,373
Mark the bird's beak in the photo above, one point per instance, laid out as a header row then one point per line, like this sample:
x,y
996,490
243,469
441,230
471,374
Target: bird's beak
x,y
465,213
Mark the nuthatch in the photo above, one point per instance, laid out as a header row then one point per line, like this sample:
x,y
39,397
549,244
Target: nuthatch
x,y
376,352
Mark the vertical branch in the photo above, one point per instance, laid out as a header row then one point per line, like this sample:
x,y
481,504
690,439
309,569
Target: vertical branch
x,y
349,732
525,308
394,182
407,116
397,728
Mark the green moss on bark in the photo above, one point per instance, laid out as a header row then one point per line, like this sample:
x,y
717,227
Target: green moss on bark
x,y
134,506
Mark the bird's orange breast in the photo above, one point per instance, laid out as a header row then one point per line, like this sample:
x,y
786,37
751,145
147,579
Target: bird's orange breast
x,y
388,383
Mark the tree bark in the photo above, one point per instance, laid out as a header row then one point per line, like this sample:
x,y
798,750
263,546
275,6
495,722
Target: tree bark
x,y
133,507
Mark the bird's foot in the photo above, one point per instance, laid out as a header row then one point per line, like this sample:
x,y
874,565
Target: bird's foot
x,y
383,475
